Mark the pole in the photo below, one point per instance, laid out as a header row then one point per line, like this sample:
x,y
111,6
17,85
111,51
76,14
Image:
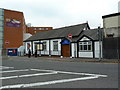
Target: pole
x,y
99,37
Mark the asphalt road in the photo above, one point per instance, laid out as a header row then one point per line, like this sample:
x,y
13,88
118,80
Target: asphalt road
x,y
23,72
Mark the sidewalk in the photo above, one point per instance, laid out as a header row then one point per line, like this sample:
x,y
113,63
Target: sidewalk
x,y
69,59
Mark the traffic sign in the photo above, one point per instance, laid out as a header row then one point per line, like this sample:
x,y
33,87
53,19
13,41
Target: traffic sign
x,y
70,36
7,42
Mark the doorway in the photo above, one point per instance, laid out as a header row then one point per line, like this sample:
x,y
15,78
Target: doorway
x,y
66,50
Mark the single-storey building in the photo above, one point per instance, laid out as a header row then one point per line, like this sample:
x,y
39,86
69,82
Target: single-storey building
x,y
72,41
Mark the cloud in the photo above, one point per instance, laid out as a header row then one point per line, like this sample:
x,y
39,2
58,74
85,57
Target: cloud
x,y
59,13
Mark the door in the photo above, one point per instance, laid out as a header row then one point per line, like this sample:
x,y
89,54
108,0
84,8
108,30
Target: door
x,y
66,50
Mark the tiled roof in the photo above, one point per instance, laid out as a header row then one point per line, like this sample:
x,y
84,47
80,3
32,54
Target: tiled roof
x,y
92,34
75,30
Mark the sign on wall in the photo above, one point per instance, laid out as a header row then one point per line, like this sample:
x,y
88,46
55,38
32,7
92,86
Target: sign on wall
x,y
13,22
12,52
65,42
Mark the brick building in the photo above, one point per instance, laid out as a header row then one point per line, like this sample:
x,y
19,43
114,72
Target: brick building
x,y
13,30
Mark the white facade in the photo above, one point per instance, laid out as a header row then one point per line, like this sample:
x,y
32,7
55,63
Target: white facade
x,y
74,49
59,47
49,47
97,49
94,52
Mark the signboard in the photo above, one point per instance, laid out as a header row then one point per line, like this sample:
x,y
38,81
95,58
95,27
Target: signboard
x,y
7,42
65,42
13,22
12,52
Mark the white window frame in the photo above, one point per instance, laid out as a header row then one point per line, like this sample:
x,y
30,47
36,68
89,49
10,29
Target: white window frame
x,y
55,45
87,44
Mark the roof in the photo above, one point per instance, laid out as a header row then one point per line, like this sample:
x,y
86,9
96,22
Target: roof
x,y
63,32
92,34
110,15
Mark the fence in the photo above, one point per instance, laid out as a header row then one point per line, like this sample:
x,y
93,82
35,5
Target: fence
x,y
111,48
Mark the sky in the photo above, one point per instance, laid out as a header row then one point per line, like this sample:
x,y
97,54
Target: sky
x,y
61,13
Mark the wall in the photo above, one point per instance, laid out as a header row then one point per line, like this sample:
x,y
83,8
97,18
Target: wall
x,y
13,34
111,48
49,47
110,22
111,25
74,49
59,47
97,49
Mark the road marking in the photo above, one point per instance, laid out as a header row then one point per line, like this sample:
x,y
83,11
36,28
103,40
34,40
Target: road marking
x,y
88,76
14,71
4,67
47,83
27,75
71,72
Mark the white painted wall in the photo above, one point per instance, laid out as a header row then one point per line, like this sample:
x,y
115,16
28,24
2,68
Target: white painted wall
x,y
59,47
74,49
86,54
85,39
97,49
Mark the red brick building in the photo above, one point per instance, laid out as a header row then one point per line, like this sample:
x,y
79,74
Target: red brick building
x,y
13,29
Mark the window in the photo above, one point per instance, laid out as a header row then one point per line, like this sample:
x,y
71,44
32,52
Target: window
x,y
46,28
55,45
85,46
44,46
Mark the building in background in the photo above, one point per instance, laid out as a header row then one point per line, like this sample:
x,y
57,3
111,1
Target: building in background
x,y
34,30
111,41
13,31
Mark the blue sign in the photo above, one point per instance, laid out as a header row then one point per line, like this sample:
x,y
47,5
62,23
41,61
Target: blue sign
x,y
12,52
65,42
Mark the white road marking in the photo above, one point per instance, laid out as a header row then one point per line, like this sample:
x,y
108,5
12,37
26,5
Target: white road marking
x,y
14,71
71,72
28,75
47,83
89,76
4,67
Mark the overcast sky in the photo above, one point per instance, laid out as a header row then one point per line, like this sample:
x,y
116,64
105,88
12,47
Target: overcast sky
x,y
60,13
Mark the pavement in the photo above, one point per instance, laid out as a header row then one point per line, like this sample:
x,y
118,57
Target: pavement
x,y
68,59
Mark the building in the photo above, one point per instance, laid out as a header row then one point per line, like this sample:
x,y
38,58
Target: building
x,y
34,30
111,25
72,41
13,31
111,40
12,27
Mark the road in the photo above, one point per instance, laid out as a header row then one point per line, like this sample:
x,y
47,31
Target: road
x,y
23,72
